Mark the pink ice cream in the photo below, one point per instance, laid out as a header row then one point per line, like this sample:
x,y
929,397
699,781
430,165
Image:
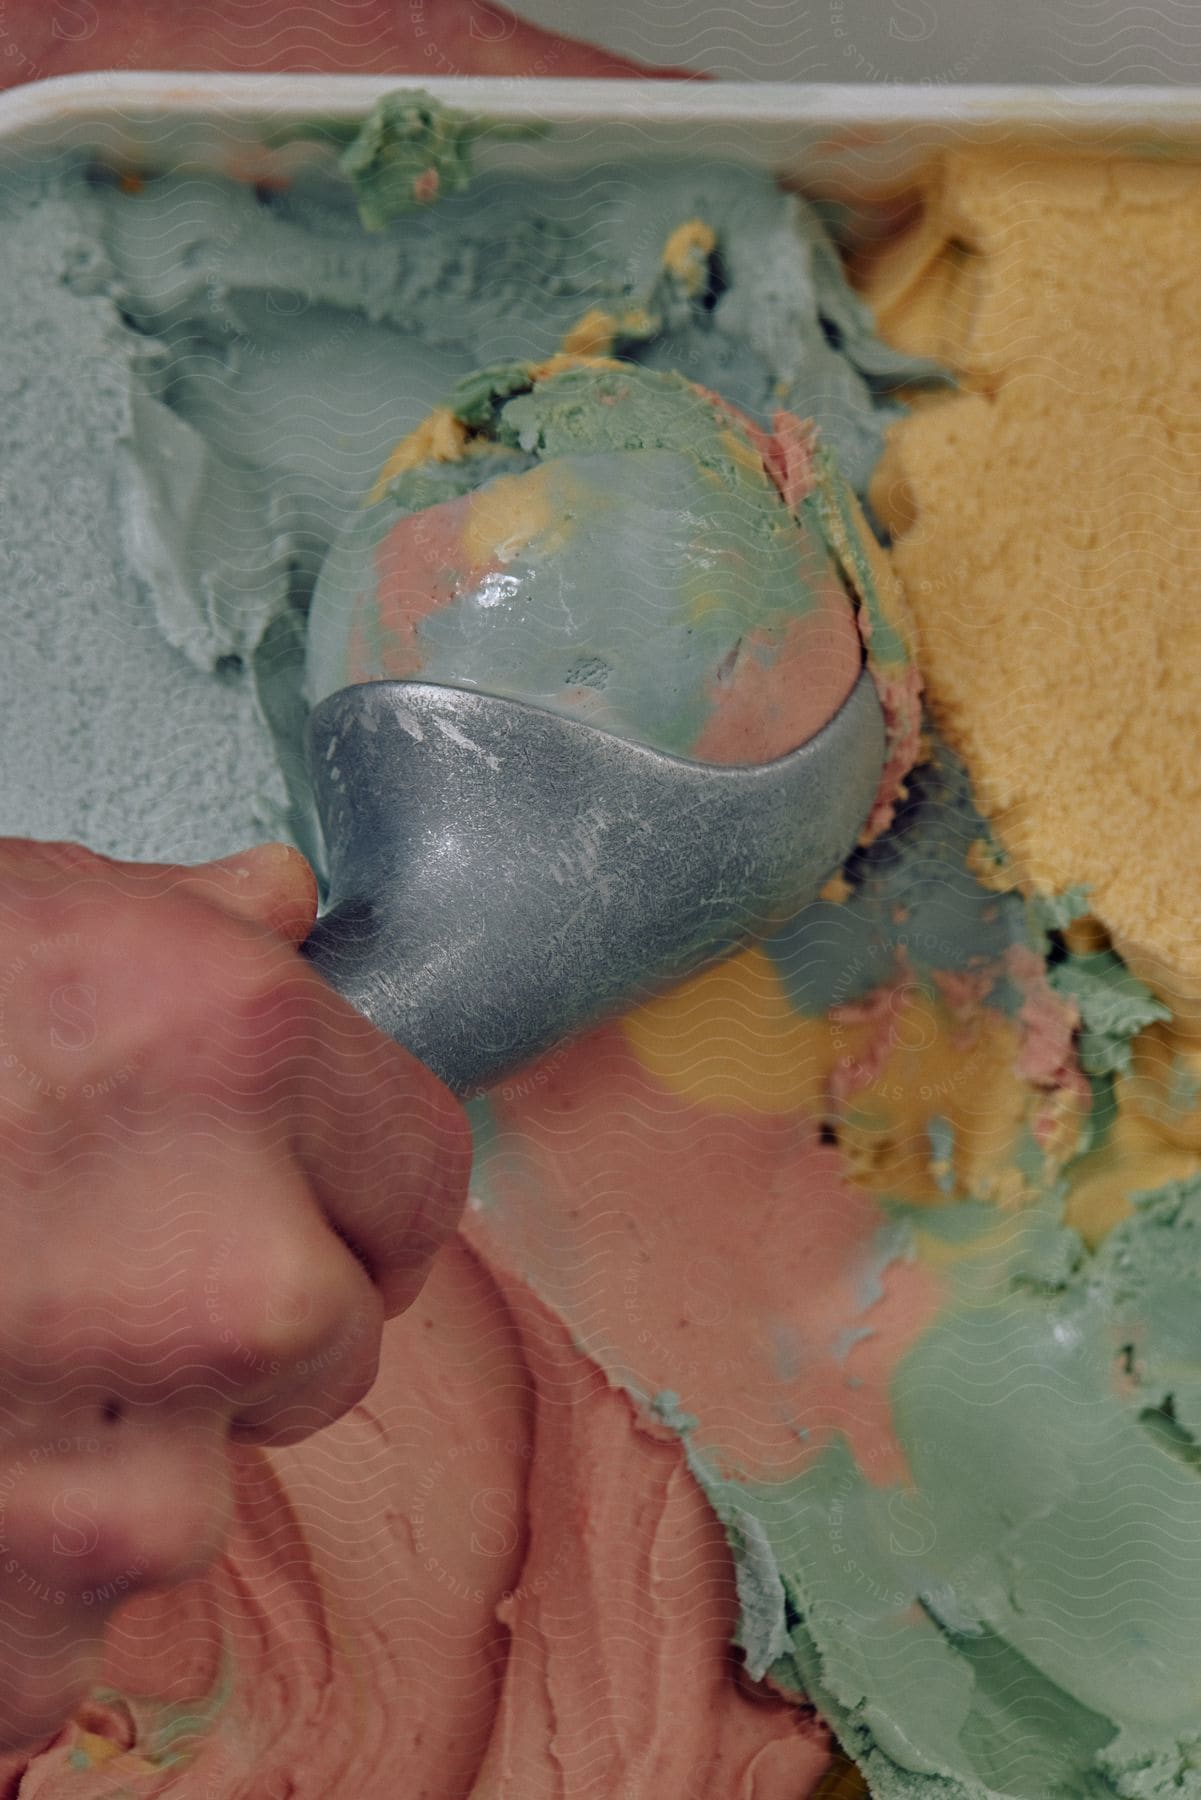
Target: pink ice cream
x,y
629,549
497,1576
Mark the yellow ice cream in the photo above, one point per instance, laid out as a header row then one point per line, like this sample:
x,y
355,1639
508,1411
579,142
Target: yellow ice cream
x,y
1050,528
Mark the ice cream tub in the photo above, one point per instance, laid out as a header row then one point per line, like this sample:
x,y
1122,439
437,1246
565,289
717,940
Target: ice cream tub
x,y
787,1241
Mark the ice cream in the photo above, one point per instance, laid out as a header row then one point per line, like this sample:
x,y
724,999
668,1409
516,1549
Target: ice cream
x,y
411,151
1079,391
787,1307
238,366
617,550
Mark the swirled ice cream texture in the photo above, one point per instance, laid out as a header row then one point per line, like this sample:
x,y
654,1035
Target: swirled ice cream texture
x,y
406,1592
621,554
763,1318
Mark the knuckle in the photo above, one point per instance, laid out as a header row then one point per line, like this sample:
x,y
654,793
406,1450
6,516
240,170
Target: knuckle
x,y
49,1337
193,1002
105,981
285,1313
437,1145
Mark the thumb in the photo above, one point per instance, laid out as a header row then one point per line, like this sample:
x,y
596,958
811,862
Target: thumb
x,y
269,884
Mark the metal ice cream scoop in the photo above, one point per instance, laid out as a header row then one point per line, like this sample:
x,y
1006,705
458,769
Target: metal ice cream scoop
x,y
502,876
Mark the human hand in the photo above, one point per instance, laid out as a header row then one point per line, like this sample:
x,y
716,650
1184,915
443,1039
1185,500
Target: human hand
x,y
178,1272
216,1181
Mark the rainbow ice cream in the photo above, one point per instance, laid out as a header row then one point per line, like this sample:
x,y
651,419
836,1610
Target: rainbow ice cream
x,y
621,553
844,1302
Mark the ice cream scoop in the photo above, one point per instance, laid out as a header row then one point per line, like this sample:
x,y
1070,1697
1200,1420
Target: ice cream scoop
x,y
604,540
529,822
502,875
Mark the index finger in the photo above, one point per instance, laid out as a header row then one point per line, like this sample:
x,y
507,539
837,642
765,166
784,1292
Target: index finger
x,y
267,884
384,1144
233,1028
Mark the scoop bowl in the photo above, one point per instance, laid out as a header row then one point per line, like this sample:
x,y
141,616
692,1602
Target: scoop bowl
x,y
502,876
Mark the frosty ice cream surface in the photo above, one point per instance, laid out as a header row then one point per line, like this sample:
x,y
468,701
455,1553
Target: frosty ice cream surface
x,y
843,1301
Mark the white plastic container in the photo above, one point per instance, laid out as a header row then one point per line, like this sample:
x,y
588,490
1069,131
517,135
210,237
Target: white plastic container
x,y
838,141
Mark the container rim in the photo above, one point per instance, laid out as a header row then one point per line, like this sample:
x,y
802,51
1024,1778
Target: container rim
x,y
1064,109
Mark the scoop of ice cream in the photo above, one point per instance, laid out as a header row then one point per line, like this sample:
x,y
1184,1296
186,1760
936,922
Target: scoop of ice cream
x,y
611,542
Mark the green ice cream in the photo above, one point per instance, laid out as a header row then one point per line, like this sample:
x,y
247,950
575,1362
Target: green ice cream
x,y
411,151
606,541
1021,1616
1025,1618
